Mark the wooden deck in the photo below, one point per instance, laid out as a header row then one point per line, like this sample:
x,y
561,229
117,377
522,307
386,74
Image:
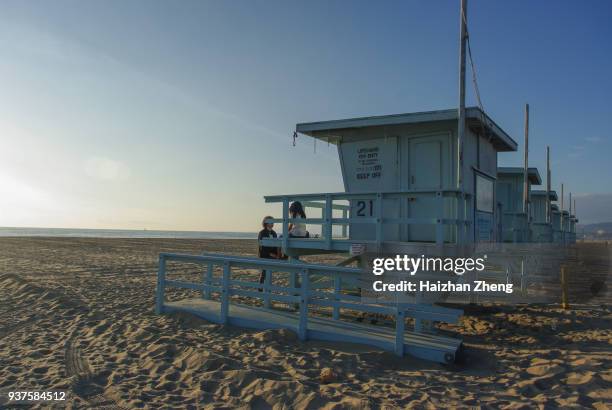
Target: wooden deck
x,y
422,345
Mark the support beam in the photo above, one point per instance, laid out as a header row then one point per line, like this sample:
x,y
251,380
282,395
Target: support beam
x,y
208,279
304,296
461,113
548,185
161,285
526,165
225,296
562,228
399,330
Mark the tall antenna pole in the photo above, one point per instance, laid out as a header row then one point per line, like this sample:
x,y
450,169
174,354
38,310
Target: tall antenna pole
x,y
570,206
461,113
548,219
526,165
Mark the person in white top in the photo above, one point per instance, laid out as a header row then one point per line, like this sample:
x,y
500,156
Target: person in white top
x,y
297,229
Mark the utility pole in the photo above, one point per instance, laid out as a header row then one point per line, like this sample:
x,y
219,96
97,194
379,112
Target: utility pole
x,y
570,205
548,218
526,165
461,113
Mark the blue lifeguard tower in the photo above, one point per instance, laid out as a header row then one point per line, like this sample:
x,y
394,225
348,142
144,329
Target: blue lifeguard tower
x,y
573,221
565,226
510,198
400,178
556,224
541,221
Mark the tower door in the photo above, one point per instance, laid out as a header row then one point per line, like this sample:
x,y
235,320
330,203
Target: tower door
x,y
425,164
426,173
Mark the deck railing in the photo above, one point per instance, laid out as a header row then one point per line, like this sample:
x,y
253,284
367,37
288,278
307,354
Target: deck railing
x,y
309,293
440,215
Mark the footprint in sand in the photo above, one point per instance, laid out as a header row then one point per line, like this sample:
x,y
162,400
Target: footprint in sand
x,y
576,378
545,370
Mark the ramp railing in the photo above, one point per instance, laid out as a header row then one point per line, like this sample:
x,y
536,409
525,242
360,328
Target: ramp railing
x,y
310,292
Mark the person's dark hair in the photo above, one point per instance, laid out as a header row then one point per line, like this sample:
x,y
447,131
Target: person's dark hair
x,y
296,208
263,222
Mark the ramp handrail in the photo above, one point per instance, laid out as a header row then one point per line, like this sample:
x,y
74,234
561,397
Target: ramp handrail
x,y
304,295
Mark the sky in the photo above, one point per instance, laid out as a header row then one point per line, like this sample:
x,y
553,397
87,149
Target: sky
x,y
179,115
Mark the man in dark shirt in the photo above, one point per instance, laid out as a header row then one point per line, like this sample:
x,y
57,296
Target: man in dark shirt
x,y
267,252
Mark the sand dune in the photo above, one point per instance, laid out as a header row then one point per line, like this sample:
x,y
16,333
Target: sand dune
x,y
77,314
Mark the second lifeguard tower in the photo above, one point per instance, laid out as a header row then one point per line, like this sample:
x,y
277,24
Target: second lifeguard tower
x,y
510,197
541,220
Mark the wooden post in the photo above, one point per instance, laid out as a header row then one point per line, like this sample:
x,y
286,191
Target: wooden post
x,y
461,111
337,287
344,227
561,217
208,281
564,288
303,324
399,330
522,274
327,231
440,219
293,276
548,185
526,165
285,224
576,224
267,290
225,296
161,284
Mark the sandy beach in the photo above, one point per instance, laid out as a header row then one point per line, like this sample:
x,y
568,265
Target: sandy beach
x,y
77,315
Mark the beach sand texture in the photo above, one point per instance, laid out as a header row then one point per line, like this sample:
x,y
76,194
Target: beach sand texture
x,y
77,315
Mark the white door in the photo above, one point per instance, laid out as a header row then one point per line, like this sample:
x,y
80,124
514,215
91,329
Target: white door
x,y
425,173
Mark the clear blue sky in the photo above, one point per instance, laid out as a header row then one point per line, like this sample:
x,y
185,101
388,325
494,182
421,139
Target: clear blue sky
x,y
179,115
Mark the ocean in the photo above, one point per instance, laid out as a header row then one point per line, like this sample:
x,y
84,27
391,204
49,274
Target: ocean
x,y
123,233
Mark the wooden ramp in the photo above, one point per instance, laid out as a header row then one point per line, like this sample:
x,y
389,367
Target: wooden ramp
x,y
305,294
427,346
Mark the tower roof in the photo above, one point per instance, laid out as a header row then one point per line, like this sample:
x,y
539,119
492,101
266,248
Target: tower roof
x,y
476,120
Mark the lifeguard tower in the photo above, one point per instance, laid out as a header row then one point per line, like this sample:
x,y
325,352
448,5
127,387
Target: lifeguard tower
x,y
565,226
573,221
510,198
556,224
400,177
541,221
